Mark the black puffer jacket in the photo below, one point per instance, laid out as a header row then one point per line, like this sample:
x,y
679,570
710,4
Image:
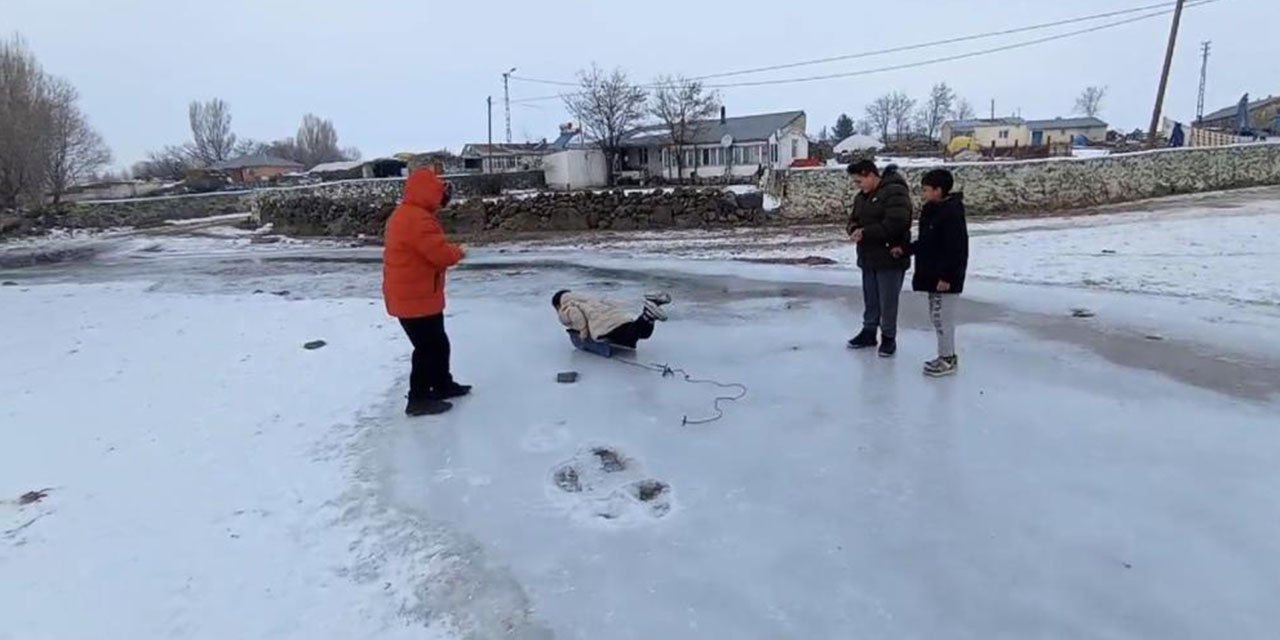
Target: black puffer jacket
x,y
885,219
942,252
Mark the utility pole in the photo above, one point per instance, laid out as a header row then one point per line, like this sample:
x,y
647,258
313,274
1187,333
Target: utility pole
x,y
1204,75
489,101
1164,75
506,99
993,108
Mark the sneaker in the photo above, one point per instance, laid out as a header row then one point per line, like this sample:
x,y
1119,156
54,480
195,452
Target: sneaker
x,y
653,312
426,407
863,340
658,297
930,365
943,367
452,390
888,347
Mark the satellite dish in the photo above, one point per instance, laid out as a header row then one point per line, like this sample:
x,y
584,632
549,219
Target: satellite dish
x,y
726,141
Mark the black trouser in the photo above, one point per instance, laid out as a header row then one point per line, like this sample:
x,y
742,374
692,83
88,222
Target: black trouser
x,y
629,334
430,354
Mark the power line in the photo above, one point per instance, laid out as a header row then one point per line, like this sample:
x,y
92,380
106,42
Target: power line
x,y
898,49
910,65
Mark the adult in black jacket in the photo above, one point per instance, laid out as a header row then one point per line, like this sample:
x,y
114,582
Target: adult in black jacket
x,y
881,220
942,256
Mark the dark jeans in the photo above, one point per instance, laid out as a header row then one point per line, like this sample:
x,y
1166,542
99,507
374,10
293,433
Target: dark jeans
x,y
630,333
430,354
881,289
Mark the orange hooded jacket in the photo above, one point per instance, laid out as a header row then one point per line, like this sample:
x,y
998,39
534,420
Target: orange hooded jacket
x,y
415,253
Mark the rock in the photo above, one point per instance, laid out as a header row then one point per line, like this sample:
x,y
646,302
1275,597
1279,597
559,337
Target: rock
x,y
567,377
8,283
568,219
314,344
281,293
623,224
662,216
753,200
1081,312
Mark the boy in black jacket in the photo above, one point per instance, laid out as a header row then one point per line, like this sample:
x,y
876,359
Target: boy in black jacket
x,y
942,255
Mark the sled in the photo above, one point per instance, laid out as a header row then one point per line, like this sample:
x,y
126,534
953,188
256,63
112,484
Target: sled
x,y
601,348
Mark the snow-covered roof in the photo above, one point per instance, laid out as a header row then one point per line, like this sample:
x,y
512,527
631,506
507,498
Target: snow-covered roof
x,y
334,167
969,125
1067,123
257,160
755,128
858,142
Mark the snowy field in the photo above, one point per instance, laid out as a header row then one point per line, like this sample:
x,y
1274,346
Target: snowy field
x,y
197,473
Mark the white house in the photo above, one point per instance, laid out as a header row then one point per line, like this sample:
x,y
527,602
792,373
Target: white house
x,y
575,167
994,132
1067,130
725,147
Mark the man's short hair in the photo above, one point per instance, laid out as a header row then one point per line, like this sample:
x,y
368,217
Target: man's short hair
x,y
939,179
864,168
555,299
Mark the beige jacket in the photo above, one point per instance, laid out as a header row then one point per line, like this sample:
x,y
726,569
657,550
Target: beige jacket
x,y
592,317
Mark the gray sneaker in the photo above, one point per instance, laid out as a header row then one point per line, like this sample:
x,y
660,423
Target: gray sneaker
x,y
942,367
653,312
658,297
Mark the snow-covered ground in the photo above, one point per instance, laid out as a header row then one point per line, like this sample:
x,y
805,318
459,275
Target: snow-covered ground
x,y
208,477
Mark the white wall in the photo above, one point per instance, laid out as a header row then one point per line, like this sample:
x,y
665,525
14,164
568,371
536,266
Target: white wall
x,y
575,169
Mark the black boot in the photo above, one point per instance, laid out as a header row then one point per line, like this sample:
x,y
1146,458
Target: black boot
x,y
450,391
863,340
888,347
426,407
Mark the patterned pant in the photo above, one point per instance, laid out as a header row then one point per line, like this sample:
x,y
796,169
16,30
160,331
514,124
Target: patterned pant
x,y
942,311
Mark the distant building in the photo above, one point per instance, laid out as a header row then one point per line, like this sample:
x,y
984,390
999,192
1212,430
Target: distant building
x,y
346,170
986,133
1264,116
725,147
1090,130
257,168
503,158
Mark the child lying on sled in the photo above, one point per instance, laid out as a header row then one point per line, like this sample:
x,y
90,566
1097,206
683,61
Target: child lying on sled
x,y
600,320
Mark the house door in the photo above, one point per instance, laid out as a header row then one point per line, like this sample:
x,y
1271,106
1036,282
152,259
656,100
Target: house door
x,y
1037,138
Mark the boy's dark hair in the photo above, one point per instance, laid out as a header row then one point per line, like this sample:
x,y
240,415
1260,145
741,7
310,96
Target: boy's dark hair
x,y
863,168
555,300
939,179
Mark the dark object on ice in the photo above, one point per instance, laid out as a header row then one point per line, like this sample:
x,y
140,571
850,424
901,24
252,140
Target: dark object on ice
x,y
264,240
1155,338
808,261
610,461
1108,252
32,497
314,344
863,340
1081,312
282,294
647,490
450,391
258,292
426,407
567,479
8,283
567,377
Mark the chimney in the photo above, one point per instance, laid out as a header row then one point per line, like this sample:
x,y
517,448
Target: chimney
x,y
722,114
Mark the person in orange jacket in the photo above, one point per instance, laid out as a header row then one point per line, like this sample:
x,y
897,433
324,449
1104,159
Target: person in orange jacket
x,y
415,257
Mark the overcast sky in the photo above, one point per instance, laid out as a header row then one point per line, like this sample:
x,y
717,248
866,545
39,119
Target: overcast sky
x,y
412,76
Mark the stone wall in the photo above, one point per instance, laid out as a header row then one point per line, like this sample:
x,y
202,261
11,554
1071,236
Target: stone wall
x,y
354,209
1035,186
136,212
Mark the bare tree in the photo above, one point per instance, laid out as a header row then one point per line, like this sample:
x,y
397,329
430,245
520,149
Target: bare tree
x,y
880,116
936,110
683,106
607,106
317,142
170,163
900,109
211,136
23,122
74,150
963,110
1090,101
865,127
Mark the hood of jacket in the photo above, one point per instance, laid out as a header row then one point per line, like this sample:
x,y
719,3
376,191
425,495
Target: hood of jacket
x,y
424,189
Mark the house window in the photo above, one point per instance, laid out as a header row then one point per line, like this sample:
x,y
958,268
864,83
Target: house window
x,y
1004,134
795,148
644,157
773,153
706,157
690,158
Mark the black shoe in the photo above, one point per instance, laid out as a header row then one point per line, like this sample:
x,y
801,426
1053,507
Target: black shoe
x,y
426,407
863,340
450,391
888,347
